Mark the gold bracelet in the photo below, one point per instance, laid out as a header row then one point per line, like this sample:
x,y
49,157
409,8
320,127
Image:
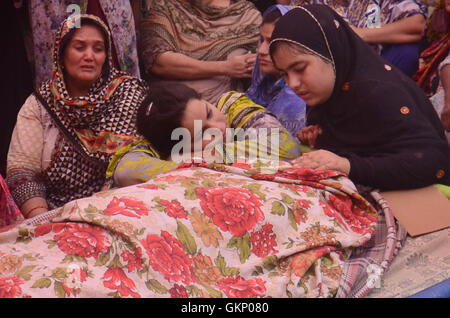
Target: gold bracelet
x,y
36,207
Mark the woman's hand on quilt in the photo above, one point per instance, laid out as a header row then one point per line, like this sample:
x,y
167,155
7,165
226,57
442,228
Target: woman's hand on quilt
x,y
309,134
322,160
241,66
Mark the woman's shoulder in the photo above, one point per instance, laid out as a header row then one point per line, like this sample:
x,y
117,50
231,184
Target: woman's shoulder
x,y
31,106
125,78
445,62
381,89
140,147
238,108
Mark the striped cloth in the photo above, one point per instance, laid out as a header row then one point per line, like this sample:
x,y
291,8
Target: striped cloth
x,y
369,262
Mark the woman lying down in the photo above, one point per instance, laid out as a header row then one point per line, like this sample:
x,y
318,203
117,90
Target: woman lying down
x,y
194,229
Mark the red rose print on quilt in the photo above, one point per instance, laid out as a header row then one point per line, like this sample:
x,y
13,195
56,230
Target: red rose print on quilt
x,y
307,174
148,187
178,291
134,260
167,256
10,287
264,241
238,287
231,209
173,208
116,279
76,277
348,215
83,240
125,206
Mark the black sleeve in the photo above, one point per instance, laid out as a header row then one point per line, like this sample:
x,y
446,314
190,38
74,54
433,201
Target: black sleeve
x,y
404,170
407,150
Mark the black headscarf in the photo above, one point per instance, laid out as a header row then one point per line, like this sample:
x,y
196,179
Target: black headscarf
x,y
376,117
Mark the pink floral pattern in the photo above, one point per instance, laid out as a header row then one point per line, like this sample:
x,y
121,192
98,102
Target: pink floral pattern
x,y
231,209
193,232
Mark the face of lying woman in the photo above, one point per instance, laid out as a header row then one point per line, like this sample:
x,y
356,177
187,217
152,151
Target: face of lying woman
x,y
309,76
84,57
208,114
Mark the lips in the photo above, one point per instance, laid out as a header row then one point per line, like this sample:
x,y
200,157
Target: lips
x,y
263,62
87,67
303,95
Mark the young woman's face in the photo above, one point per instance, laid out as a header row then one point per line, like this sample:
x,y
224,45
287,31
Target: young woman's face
x,y
309,76
265,61
208,114
84,57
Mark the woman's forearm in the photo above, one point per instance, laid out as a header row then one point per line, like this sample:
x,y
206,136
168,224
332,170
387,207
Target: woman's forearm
x,y
407,30
445,80
179,66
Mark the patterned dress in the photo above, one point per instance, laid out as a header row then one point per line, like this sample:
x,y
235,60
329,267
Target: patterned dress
x,y
61,145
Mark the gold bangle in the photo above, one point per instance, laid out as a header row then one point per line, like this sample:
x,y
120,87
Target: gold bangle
x,y
36,207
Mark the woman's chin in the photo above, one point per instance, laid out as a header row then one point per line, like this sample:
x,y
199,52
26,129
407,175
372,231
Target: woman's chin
x,y
267,69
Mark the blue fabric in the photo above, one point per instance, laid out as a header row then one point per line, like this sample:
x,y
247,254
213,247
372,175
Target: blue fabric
x,y
441,290
274,94
404,56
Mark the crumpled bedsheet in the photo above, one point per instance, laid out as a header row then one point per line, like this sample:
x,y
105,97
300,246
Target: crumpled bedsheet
x,y
198,231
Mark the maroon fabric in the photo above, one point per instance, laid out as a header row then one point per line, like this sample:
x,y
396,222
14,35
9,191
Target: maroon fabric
x,y
9,212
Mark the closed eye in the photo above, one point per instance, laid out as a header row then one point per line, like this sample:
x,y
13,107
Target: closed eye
x,y
208,113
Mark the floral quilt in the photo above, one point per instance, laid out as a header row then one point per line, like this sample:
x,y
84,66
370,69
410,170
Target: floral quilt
x,y
198,231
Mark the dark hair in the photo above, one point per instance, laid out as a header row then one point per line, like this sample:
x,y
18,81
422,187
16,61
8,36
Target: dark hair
x,y
169,103
66,40
272,17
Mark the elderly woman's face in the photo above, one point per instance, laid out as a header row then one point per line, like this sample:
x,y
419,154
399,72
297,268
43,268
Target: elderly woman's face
x,y
84,57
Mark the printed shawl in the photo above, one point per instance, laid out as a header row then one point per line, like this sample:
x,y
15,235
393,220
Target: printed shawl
x,y
185,27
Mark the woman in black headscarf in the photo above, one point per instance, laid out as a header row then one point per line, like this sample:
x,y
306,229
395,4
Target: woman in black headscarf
x,y
369,120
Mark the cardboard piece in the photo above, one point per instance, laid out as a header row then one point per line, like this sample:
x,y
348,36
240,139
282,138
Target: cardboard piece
x,y
420,211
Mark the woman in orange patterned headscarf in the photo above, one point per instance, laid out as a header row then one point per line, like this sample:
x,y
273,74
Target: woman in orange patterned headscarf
x,y
67,131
